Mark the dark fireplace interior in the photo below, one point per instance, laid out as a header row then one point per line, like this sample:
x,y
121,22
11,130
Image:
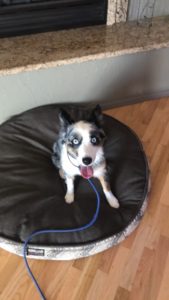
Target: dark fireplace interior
x,y
20,17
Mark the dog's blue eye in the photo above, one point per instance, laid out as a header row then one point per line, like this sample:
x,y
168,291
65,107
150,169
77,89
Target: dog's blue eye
x,y
75,141
94,140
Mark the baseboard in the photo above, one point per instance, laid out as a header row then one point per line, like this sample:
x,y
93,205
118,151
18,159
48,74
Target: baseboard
x,y
133,100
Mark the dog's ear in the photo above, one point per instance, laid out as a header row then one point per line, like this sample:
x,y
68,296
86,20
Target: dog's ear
x,y
96,116
65,118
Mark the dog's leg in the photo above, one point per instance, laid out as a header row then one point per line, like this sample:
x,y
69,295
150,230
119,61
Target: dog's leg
x,y
70,189
107,191
61,173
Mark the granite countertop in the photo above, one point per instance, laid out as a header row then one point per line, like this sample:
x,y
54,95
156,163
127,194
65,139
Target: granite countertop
x,y
39,51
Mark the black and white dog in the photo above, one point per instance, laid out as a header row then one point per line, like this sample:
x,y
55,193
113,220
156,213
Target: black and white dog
x,y
79,151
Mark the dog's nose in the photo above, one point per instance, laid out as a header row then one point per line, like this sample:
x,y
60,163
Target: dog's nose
x,y
87,160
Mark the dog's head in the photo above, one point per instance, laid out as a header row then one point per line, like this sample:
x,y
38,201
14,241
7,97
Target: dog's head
x,y
84,140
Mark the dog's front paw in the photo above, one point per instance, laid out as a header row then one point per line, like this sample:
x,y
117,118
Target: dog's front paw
x,y
69,198
112,200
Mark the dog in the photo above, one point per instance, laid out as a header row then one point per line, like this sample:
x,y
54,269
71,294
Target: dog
x,y
78,150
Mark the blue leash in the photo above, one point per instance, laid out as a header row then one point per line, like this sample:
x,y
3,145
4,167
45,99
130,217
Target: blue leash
x,y
58,231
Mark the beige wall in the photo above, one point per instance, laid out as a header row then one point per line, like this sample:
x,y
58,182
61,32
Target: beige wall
x,y
114,81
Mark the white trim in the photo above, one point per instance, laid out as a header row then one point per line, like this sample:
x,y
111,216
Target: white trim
x,y
117,11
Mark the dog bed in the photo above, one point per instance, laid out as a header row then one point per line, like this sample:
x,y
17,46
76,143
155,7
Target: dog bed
x,y
32,192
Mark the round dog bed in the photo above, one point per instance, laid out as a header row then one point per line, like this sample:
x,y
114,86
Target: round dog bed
x,y
32,192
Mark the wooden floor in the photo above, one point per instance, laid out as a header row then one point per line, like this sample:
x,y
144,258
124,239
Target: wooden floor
x,y
138,268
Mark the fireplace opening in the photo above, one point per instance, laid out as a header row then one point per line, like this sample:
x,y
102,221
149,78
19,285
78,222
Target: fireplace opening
x,y
20,17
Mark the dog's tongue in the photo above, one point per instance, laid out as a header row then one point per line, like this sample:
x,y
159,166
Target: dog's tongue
x,y
86,172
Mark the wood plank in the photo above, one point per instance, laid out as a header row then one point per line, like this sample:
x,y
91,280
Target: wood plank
x,y
158,266
122,294
135,255
164,289
141,284
106,290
